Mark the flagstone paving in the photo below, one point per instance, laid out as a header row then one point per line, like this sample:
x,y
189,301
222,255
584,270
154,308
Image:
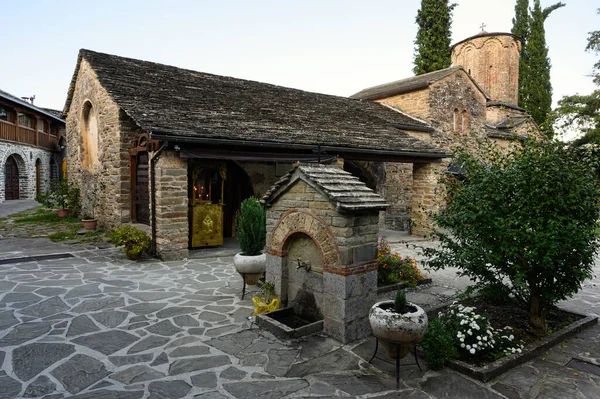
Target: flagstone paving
x,y
98,326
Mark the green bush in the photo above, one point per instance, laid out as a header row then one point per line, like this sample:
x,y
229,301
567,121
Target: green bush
x,y
438,344
400,303
250,229
136,241
60,195
523,223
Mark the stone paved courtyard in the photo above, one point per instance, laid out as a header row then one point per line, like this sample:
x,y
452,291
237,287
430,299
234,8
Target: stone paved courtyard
x,y
95,325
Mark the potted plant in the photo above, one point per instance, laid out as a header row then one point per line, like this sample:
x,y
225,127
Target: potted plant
x,y
398,322
136,241
251,235
60,197
89,206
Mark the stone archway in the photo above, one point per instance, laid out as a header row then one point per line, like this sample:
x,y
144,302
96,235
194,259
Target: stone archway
x,y
16,181
301,221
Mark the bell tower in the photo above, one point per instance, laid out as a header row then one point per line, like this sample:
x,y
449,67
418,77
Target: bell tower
x,y
492,60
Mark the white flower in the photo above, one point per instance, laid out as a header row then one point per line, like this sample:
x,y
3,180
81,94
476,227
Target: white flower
x,y
462,339
468,346
462,345
511,337
472,351
484,338
470,332
479,338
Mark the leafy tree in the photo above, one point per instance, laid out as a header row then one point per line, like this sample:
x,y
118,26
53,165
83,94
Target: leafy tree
x,y
583,111
523,224
535,94
432,45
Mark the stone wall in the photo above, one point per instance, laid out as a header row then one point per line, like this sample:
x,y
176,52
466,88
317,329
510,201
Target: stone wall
x,y
416,103
493,61
172,228
26,157
398,193
346,289
107,185
426,195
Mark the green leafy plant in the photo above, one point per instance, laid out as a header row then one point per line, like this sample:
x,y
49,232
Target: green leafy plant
x,y
250,228
523,223
60,195
400,303
392,268
268,291
438,344
136,241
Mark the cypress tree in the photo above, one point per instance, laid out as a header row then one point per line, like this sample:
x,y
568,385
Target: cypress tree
x,y
521,29
432,45
535,93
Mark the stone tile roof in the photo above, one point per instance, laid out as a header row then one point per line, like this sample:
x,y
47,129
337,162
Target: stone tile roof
x,y
56,115
178,103
346,191
417,82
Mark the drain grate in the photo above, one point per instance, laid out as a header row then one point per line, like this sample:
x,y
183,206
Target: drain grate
x,y
34,258
584,366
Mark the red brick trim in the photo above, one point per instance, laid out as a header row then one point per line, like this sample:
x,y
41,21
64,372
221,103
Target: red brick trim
x,y
302,221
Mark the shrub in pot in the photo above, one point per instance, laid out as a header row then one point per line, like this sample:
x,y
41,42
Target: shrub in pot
x,y
136,241
398,322
251,235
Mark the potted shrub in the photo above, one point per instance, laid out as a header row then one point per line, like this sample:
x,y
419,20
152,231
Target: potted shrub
x,y
89,206
60,197
398,322
136,241
251,235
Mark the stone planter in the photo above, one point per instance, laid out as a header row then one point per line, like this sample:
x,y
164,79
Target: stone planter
x,y
89,224
251,268
390,327
62,213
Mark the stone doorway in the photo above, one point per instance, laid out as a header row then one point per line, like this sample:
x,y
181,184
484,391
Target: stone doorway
x,y
11,179
223,185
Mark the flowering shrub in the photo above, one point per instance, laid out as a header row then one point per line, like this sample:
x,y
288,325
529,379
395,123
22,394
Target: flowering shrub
x,y
393,268
474,336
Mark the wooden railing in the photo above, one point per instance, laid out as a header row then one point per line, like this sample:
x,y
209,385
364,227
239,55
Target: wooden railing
x,y
26,135
21,134
8,131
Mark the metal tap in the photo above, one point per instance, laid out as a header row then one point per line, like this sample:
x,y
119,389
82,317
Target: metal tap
x,y
305,265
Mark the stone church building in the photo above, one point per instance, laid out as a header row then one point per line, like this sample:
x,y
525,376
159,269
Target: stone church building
x,y
178,150
475,98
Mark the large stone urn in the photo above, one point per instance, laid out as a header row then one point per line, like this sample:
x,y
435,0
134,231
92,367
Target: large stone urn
x,y
392,328
250,267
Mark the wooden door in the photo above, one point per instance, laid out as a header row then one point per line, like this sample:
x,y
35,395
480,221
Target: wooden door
x,y
142,193
38,178
11,179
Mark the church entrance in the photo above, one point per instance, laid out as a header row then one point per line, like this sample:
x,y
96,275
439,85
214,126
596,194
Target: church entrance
x,y
216,190
11,179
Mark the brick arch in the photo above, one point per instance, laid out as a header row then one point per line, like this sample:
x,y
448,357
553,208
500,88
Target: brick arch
x,y
301,221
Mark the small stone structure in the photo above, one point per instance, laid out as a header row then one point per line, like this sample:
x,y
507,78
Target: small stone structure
x,y
325,217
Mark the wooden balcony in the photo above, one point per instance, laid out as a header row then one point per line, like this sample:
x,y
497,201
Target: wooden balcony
x,y
25,135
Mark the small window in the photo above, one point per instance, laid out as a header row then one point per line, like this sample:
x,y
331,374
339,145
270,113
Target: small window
x,y
26,121
42,126
6,114
465,122
457,120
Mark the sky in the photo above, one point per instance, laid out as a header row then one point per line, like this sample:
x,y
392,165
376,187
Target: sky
x,y
329,46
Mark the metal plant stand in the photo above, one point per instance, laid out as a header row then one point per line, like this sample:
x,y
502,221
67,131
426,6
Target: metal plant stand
x,y
397,357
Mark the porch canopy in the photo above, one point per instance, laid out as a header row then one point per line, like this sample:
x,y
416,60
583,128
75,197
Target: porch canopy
x,y
203,113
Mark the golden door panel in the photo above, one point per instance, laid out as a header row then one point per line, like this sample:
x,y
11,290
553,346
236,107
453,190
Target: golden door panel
x,y
207,225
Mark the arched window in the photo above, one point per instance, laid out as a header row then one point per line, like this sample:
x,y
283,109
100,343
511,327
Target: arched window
x,y
89,137
457,120
465,122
